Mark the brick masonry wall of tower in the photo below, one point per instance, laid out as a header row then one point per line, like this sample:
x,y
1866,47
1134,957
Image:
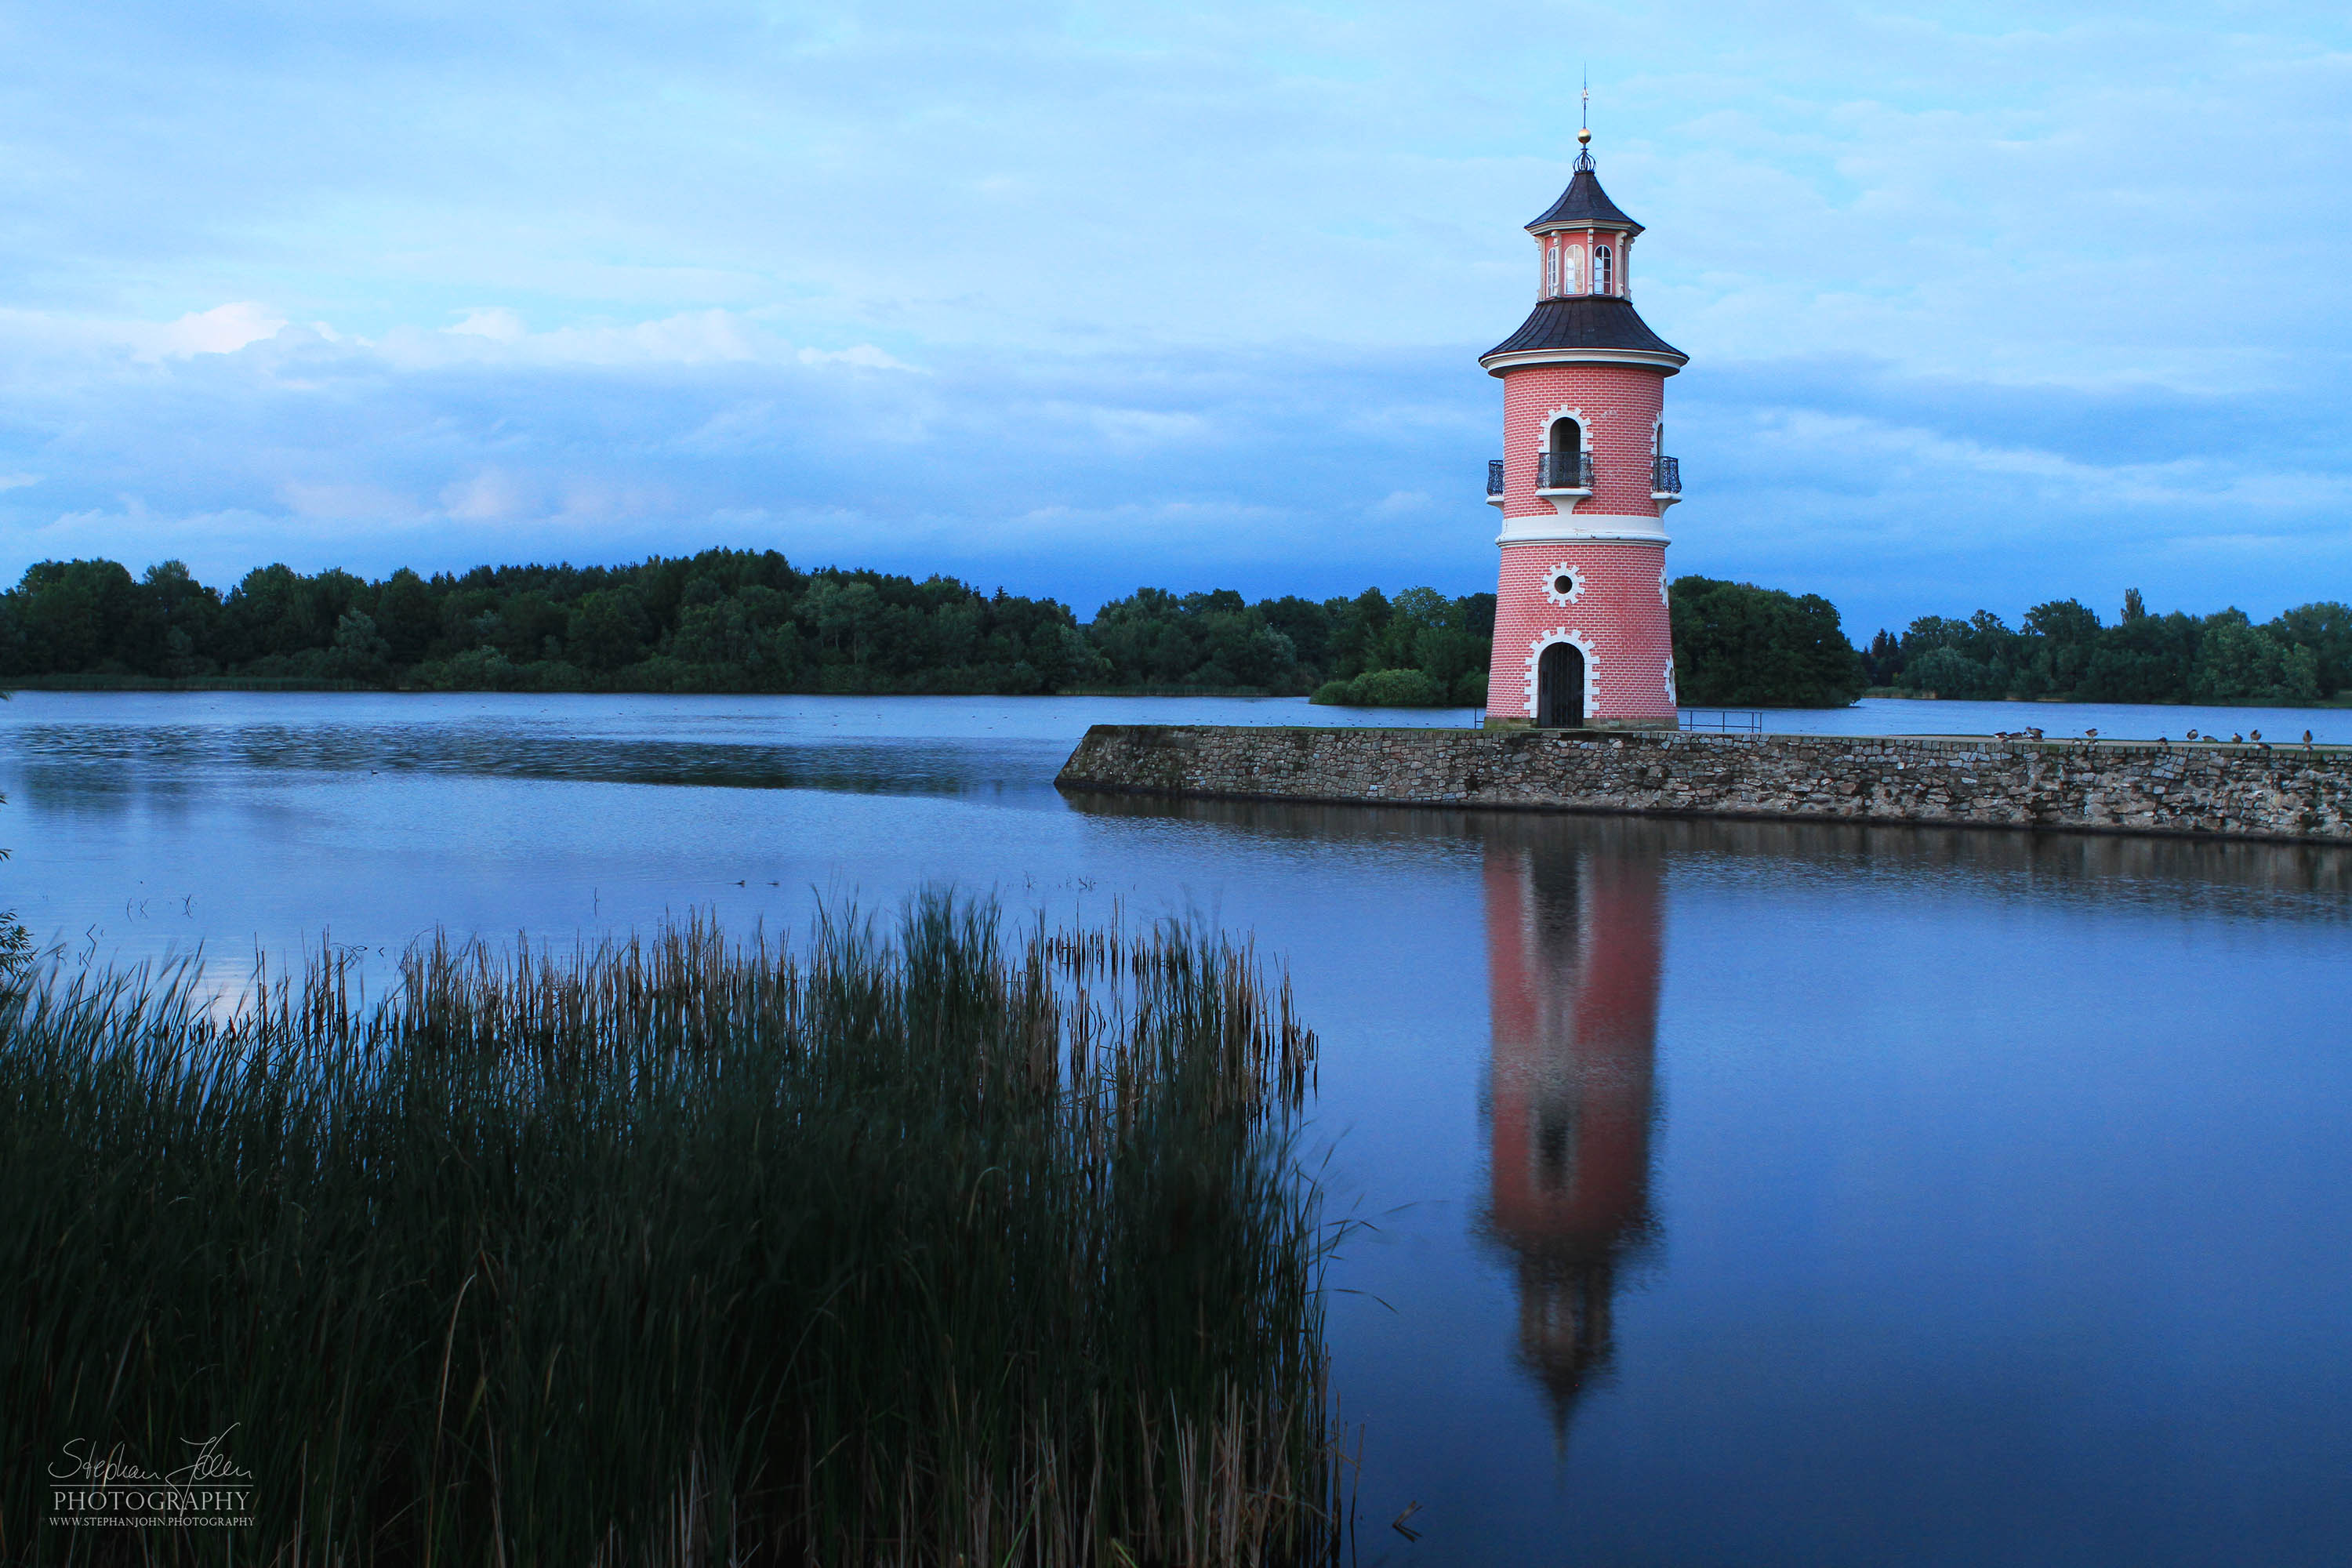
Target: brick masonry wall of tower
x,y
2286,794
1618,619
1620,404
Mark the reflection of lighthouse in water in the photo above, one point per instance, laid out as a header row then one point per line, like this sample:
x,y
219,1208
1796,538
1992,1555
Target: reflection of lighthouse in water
x,y
1572,943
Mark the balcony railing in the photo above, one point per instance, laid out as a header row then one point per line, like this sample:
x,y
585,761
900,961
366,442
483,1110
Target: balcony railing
x,y
1494,476
1564,471
1666,475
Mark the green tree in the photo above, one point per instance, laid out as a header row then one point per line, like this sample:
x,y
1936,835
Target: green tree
x,y
175,622
2326,628
72,615
2239,662
1307,625
269,612
1385,688
406,615
2141,658
1355,628
358,653
1739,645
607,629
2064,635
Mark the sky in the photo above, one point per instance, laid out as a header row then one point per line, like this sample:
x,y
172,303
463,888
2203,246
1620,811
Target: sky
x,y
1985,304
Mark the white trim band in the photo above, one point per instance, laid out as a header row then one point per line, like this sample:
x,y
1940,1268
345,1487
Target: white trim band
x,y
1582,525
1666,362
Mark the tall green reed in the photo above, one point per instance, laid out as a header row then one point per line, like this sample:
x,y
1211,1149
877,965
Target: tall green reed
x,y
950,1246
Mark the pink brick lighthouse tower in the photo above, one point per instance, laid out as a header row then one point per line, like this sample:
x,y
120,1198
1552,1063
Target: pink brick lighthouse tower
x,y
1581,636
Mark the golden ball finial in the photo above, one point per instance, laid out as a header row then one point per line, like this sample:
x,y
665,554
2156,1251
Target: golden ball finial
x,y
1584,137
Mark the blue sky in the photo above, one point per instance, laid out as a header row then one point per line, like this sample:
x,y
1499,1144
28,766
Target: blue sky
x,y
1986,303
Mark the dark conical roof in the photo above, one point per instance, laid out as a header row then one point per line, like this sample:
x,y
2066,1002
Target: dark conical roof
x,y
1584,202
1585,321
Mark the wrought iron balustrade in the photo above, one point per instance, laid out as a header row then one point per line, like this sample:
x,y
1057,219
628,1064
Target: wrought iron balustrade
x,y
1494,476
1564,471
1666,475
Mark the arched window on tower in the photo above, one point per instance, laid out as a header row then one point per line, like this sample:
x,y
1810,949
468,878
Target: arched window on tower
x,y
1600,270
1563,458
1573,281
1551,270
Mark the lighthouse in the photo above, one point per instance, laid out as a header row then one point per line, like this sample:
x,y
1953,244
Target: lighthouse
x,y
1582,637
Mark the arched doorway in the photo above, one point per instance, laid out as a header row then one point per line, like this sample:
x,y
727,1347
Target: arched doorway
x,y
1559,687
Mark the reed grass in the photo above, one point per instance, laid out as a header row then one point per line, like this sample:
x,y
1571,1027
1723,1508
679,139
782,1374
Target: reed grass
x,y
947,1246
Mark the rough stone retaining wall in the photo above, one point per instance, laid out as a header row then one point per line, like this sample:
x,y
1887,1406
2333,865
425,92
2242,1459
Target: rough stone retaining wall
x,y
2243,791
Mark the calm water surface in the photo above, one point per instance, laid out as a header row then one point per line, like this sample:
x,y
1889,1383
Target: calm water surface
x,y
1740,1194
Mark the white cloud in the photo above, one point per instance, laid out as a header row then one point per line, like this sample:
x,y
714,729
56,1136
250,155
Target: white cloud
x,y
223,330
18,482
865,356
492,495
353,500
495,323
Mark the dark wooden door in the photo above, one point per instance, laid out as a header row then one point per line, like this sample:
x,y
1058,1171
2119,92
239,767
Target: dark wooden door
x,y
1559,687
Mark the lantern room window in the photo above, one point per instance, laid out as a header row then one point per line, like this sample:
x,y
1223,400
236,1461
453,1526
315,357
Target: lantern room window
x,y
1602,270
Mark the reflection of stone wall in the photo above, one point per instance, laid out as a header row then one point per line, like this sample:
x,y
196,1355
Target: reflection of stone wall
x,y
2111,786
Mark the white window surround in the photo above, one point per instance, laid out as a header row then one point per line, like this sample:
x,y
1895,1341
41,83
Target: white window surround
x,y
1574,416
1573,283
1551,270
1576,584
1603,279
1582,644
1564,498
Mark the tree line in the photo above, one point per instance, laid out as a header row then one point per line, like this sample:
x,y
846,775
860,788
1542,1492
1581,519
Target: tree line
x,y
2062,649
719,621
729,620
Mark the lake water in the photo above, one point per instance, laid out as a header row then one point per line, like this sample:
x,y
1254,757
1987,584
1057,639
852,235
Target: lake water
x,y
1738,1193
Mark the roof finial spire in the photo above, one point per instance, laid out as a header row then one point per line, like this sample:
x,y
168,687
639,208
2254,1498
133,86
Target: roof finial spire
x,y
1584,126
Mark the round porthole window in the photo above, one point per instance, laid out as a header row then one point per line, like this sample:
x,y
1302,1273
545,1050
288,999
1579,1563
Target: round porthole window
x,y
1563,584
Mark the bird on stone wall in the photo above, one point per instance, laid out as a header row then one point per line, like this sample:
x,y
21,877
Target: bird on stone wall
x,y
2192,734
2256,734
2237,740
2091,734
2306,739
2164,742
2033,731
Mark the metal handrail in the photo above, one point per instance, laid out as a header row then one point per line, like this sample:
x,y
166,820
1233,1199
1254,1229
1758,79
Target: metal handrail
x,y
1666,475
1725,721
1494,476
1564,471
